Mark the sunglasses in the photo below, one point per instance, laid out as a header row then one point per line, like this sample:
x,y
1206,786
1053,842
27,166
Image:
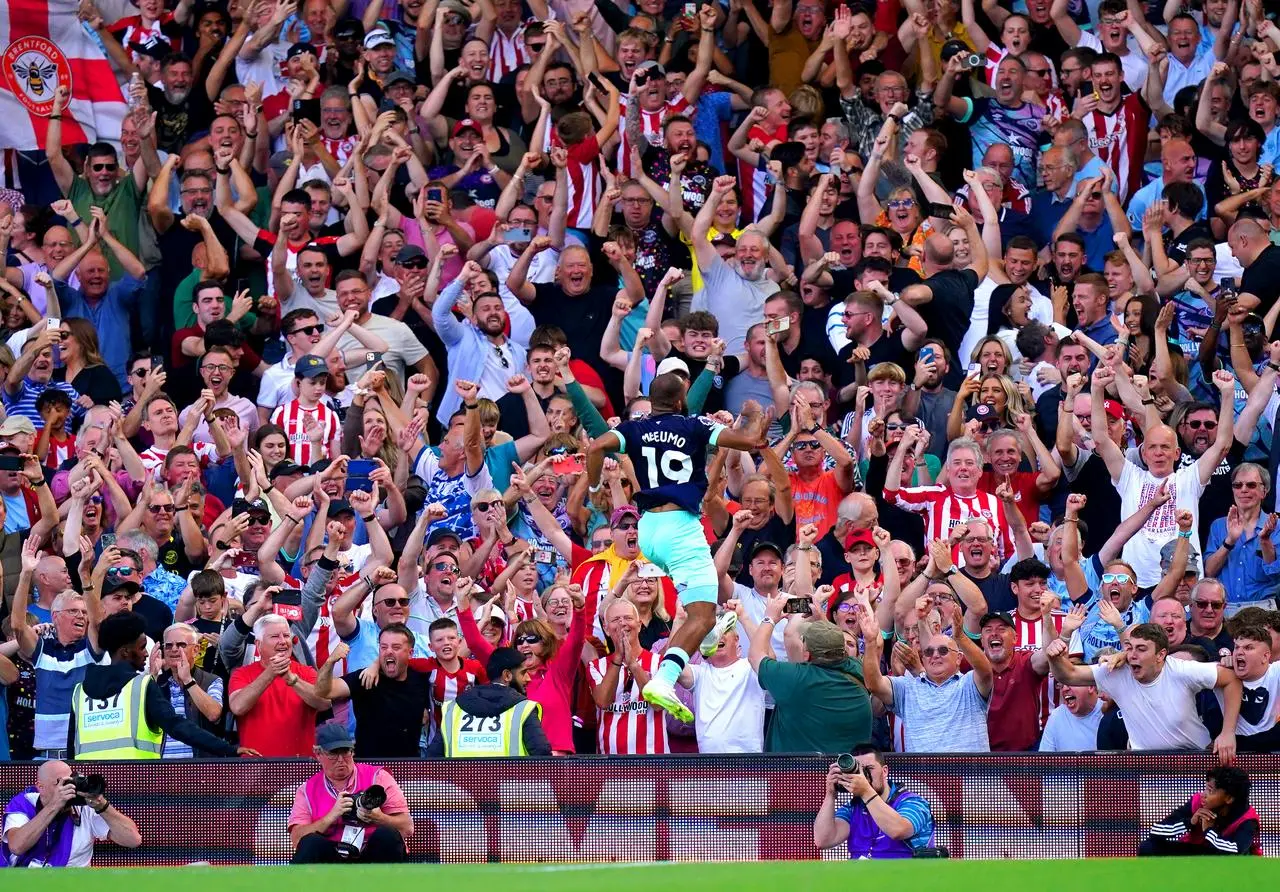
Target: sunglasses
x,y
175,645
444,567
103,167
485,506
900,203
140,373
259,521
1121,578
95,500
1196,424
316,329
936,651
527,639
415,263
1246,484
808,444
395,602
120,571
1209,605
162,509
630,525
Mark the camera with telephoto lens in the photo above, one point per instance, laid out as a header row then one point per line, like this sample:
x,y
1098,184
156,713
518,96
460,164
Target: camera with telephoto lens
x,y
87,786
848,765
371,797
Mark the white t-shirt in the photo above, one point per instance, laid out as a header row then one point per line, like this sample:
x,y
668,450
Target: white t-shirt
x,y
92,826
1041,311
1258,703
1161,715
324,306
276,387
1066,732
728,708
1136,487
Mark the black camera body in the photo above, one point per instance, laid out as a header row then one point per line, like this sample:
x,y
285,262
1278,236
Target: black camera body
x,y
87,786
371,797
848,765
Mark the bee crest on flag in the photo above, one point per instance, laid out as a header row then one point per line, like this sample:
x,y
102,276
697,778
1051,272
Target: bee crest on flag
x,y
34,68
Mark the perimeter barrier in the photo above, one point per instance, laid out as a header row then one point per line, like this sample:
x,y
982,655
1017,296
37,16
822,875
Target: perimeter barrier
x,y
678,808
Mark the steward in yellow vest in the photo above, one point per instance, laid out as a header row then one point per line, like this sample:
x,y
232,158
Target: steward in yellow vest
x,y
118,712
493,719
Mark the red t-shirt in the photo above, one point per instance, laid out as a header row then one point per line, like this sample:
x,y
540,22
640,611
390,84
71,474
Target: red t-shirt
x,y
1013,717
1025,494
280,724
249,359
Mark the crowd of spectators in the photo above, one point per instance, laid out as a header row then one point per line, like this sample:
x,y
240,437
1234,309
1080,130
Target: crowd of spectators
x,y
302,373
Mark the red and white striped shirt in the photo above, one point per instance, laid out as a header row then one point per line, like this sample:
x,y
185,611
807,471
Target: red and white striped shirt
x,y
629,726
650,128
340,149
292,417
153,456
751,180
506,54
1120,141
446,685
944,510
130,30
584,178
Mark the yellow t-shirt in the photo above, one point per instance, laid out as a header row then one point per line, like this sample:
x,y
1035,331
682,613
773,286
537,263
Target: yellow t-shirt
x,y
695,275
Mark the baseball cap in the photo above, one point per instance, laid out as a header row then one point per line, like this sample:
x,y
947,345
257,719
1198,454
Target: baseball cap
x,y
503,659
998,616
258,506
310,366
299,48
1113,408
114,584
1166,558
348,29
623,511
652,65
153,47
765,546
16,424
333,736
466,124
340,506
286,468
457,6
672,364
984,414
378,37
825,643
409,252
858,537
439,534
397,76
723,238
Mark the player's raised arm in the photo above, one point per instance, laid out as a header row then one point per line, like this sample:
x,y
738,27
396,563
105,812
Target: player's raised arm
x,y
752,435
596,451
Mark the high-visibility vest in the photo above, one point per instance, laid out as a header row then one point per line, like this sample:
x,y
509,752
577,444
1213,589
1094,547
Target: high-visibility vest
x,y
471,736
115,728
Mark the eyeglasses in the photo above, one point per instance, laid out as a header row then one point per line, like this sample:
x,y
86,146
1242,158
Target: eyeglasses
x,y
259,521
1246,484
936,651
444,567
395,602
637,200
1039,72
176,645
162,509
316,329
217,368
808,444
601,544
628,525
1209,605
103,167
984,540
140,373
1122,578
1202,424
342,753
73,611
485,506
847,607
527,639
900,203
1202,261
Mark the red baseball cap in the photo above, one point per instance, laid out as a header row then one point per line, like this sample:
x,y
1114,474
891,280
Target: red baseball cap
x,y
1113,408
857,537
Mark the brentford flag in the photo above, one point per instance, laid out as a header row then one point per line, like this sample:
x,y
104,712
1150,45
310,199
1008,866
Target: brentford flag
x,y
45,46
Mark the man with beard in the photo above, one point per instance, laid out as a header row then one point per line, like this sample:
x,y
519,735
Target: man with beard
x,y
327,823
481,350
580,299
308,287
1055,405
1073,726
1018,694
217,367
101,184
182,107
494,719
404,350
60,659
390,713
1117,122
1156,694
1160,452
734,291
601,572
882,820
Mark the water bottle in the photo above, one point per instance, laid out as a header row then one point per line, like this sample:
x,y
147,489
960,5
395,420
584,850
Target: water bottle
x,y
135,81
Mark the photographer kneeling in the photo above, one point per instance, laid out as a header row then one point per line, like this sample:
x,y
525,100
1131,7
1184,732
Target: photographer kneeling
x,y
348,812
55,825
881,821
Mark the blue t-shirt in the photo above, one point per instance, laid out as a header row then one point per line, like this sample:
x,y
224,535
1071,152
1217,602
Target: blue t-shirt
x,y
1019,128
669,455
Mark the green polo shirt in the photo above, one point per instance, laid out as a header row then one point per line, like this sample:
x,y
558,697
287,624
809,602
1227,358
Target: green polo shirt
x,y
122,204
819,709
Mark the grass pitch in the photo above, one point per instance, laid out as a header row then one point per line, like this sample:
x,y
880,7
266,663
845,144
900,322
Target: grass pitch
x,y
1166,874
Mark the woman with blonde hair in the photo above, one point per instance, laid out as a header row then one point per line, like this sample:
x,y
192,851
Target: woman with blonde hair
x,y
82,364
997,391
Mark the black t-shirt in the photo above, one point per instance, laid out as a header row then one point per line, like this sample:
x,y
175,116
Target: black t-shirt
x,y
1262,278
211,661
695,181
1101,512
514,420
775,531
995,589
583,318
950,311
156,614
97,383
389,717
176,124
715,398
424,332
1176,245
173,557
888,348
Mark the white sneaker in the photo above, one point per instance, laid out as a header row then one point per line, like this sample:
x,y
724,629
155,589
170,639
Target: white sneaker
x,y
725,624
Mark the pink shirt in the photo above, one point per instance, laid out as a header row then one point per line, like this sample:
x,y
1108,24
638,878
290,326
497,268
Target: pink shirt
x,y
395,804
453,266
